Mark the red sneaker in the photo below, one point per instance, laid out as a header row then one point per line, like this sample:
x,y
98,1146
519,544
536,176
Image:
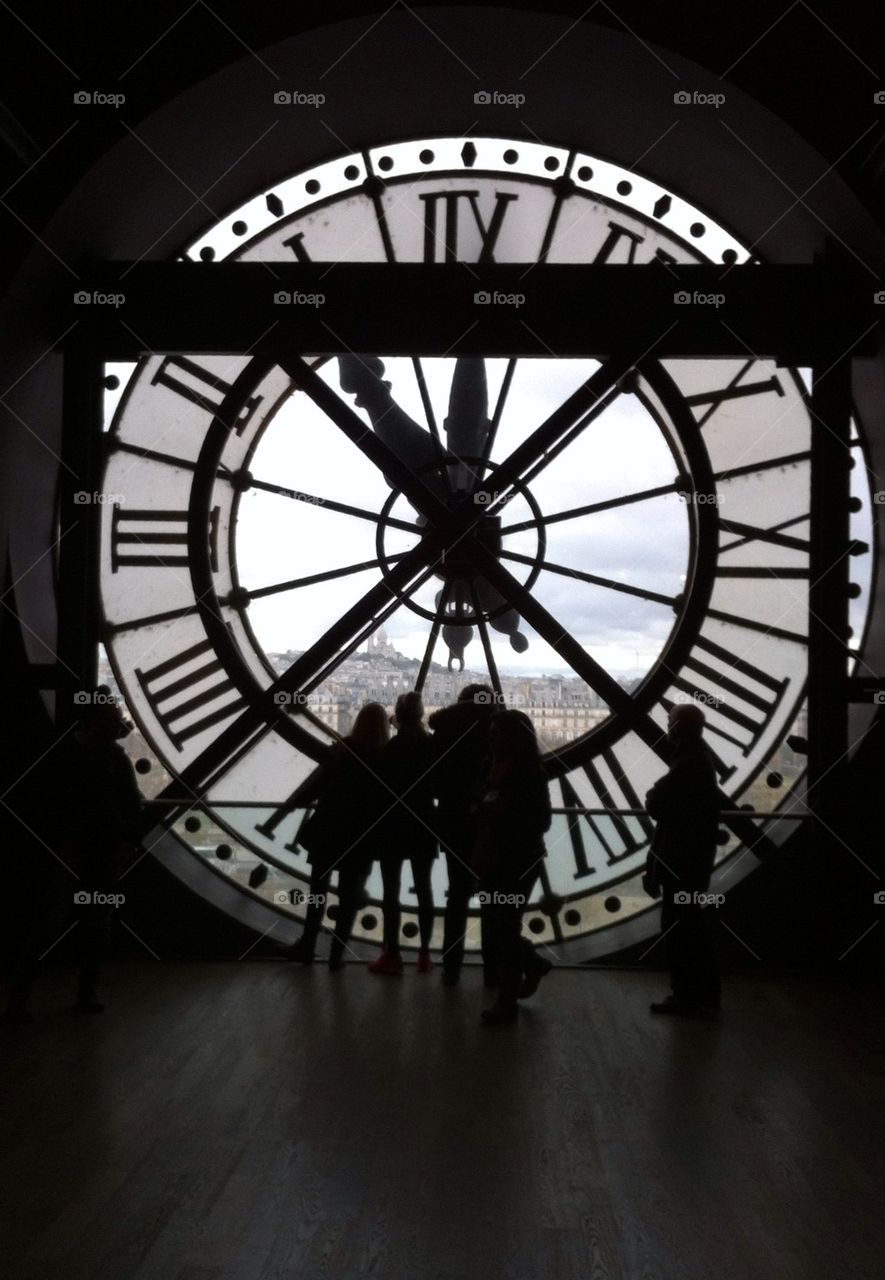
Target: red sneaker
x,y
425,964
386,963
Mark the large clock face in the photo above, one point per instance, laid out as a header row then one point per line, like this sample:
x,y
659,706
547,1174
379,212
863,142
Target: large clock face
x,y
595,539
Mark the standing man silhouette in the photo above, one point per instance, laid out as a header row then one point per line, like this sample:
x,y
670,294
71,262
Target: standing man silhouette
x,y
685,806
461,741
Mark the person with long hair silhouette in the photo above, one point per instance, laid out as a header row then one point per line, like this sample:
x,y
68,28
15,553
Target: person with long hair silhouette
x,y
407,831
343,833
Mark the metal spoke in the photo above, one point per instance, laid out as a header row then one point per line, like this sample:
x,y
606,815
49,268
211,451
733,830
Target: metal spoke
x,y
432,424
642,495
562,642
497,415
409,574
435,628
572,416
327,576
328,504
486,641
655,596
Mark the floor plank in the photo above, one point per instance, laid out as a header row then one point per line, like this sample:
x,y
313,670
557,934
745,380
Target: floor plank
x,y
261,1121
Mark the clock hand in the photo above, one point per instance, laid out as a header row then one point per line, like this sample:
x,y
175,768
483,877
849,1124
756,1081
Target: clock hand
x,y
467,423
362,377
489,599
457,638
417,488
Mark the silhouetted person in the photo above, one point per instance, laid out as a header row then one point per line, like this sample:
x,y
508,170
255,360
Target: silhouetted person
x,y
512,817
460,738
407,831
685,806
343,833
97,830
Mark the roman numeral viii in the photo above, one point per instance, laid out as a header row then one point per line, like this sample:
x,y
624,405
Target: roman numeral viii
x,y
172,698
203,388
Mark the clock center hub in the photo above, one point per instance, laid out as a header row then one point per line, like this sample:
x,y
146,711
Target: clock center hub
x,y
459,559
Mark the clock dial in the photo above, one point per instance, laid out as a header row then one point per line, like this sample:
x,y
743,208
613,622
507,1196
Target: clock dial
x,y
286,536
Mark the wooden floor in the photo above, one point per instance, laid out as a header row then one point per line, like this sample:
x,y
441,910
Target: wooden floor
x,y
260,1120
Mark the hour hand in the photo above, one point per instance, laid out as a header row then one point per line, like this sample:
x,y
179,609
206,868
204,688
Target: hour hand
x,y
467,423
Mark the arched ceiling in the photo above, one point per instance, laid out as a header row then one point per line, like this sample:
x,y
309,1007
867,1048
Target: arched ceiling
x,y
816,66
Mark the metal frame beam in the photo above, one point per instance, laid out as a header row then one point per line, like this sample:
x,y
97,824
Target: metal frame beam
x,y
491,309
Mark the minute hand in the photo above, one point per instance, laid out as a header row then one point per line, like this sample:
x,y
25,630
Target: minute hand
x,y
398,474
